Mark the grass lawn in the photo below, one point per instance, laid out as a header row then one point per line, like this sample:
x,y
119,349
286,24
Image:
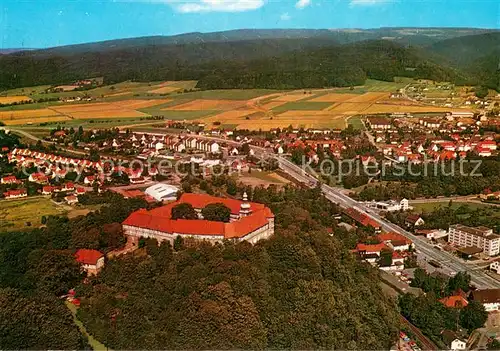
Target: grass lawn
x,y
431,206
96,345
355,121
302,106
15,213
377,85
229,94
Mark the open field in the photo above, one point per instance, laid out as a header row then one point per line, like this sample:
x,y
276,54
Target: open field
x,y
12,99
389,108
15,213
229,115
349,108
98,110
292,97
163,90
29,121
138,104
369,97
333,97
431,206
302,105
202,104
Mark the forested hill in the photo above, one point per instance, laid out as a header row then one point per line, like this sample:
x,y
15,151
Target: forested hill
x,y
270,63
344,65
477,55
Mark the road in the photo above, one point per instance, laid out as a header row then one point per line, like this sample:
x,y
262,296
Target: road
x,y
450,263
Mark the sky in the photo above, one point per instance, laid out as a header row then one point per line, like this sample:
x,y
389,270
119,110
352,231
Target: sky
x,y
48,23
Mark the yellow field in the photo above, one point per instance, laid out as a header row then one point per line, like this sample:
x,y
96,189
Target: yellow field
x,y
386,108
136,104
291,97
24,114
201,104
332,97
119,94
12,99
234,115
21,121
98,110
299,113
272,104
107,114
163,90
369,97
349,108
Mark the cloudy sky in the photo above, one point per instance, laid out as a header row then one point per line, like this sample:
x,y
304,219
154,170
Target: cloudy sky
x,y
46,23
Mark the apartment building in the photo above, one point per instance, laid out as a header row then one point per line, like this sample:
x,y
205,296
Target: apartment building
x,y
481,237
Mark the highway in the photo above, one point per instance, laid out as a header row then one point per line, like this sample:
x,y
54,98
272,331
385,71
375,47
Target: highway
x,y
450,263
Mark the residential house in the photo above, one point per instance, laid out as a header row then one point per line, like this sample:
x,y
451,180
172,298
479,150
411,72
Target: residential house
x,y
489,298
91,261
9,180
452,341
15,194
71,199
39,178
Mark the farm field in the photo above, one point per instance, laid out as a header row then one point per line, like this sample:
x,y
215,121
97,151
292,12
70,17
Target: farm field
x,y
130,103
15,213
203,104
13,99
302,105
334,97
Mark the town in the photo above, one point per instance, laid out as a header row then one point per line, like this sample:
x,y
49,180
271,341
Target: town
x,y
171,180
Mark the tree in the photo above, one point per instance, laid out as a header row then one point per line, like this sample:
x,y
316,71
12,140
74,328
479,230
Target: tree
x,y
216,212
473,316
178,243
184,211
36,322
461,280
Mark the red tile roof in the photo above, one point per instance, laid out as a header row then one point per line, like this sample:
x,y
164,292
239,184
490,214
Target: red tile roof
x,y
393,237
86,256
361,218
371,248
160,218
455,301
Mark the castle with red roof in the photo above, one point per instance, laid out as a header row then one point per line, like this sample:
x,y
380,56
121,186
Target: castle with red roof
x,y
249,221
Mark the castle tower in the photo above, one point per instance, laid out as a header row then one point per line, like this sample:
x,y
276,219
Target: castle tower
x,y
245,206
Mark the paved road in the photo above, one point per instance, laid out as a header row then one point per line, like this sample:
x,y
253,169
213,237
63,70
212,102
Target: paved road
x,y
451,264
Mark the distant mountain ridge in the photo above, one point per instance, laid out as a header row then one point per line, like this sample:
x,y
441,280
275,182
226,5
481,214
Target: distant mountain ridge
x,y
207,57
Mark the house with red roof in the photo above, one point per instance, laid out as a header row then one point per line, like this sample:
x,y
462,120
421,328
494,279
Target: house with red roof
x,y
91,261
362,218
249,221
15,194
39,178
454,301
9,180
395,241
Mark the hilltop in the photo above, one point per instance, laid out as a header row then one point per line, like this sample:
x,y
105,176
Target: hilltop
x,y
262,55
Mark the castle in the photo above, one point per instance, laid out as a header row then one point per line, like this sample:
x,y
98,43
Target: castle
x,y
249,221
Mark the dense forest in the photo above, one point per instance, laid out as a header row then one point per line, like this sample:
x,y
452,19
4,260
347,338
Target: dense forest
x,y
300,60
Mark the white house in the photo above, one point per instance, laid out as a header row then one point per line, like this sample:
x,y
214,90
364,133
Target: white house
x,y
452,341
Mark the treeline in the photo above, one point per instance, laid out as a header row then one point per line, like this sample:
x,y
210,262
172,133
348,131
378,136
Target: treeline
x,y
301,289
271,63
432,180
